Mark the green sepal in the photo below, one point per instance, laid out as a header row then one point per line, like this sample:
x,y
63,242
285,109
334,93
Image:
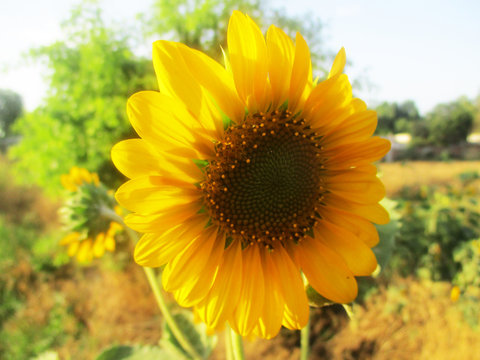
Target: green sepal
x,y
202,164
284,106
309,232
227,122
315,299
228,241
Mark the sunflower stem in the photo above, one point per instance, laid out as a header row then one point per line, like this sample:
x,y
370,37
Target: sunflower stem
x,y
305,341
177,332
228,344
237,345
237,342
157,292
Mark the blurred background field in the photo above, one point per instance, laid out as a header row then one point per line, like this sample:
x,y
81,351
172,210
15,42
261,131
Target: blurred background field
x,y
422,303
50,303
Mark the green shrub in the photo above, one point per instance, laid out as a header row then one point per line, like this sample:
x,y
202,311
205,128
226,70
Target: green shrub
x,y
435,222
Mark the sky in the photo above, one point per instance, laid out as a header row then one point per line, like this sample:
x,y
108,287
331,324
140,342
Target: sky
x,y
424,50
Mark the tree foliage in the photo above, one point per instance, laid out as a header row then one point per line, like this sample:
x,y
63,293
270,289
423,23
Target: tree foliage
x,y
450,123
396,118
202,24
11,107
92,73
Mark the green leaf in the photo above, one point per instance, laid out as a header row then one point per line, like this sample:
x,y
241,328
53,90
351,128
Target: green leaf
x,y
195,333
125,352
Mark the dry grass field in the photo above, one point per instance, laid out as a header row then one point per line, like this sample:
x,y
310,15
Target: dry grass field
x,y
418,173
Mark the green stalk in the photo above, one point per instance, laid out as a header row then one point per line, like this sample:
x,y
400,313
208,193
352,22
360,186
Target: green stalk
x,y
158,294
228,343
237,345
177,332
305,341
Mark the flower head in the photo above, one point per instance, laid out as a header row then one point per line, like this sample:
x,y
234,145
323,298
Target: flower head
x,y
90,233
246,176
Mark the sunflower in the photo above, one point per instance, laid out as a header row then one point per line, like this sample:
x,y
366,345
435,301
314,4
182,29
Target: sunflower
x,y
247,176
90,233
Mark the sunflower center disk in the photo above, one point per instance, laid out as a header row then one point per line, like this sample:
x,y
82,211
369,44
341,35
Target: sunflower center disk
x,y
266,180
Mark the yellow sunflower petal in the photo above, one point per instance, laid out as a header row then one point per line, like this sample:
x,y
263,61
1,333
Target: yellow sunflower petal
x,y
73,248
270,320
300,73
154,250
248,59
248,310
98,248
296,311
192,292
280,62
372,212
85,253
70,238
338,63
358,127
326,271
357,186
184,269
326,97
327,122
176,80
216,81
85,176
135,158
356,254
223,297
166,123
362,228
356,154
67,183
153,194
75,175
110,243
160,222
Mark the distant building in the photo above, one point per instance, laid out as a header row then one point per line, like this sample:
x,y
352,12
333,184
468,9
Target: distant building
x,y
399,143
473,138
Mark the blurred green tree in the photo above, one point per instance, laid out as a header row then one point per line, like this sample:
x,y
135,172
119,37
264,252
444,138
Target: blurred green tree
x,y
394,118
202,24
450,123
11,107
476,120
92,73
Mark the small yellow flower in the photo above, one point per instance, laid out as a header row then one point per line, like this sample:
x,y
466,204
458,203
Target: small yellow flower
x,y
246,176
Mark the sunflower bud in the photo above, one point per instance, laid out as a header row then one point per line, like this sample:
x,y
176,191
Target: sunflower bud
x,y
91,233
